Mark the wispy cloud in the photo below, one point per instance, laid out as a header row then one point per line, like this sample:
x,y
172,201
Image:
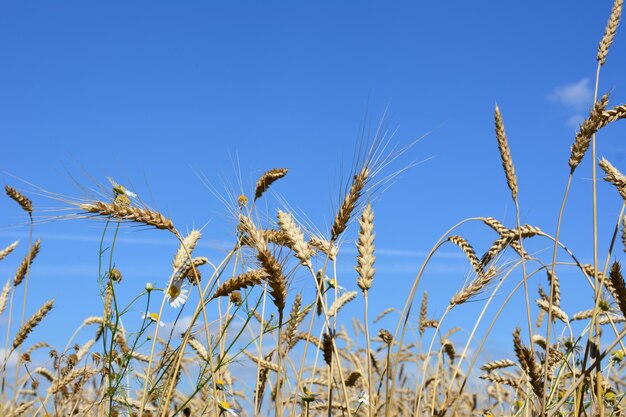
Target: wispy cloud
x,y
577,96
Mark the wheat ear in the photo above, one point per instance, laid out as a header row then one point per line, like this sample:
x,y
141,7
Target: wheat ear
x,y
365,249
129,213
247,279
267,179
20,199
188,244
25,264
6,251
349,203
505,154
609,31
588,127
31,323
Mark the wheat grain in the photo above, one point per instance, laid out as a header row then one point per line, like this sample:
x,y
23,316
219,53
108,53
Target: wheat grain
x,y
247,279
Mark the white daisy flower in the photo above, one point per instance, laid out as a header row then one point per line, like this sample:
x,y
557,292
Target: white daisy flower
x,y
363,398
227,409
120,189
153,317
176,294
332,283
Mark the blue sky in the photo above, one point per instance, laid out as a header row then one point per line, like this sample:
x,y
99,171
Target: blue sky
x,y
164,97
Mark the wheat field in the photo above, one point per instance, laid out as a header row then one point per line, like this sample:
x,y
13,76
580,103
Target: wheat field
x,y
255,345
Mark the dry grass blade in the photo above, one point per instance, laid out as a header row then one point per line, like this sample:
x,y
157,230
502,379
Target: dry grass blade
x,y
609,31
505,154
247,279
26,262
587,129
31,323
365,248
20,199
267,179
6,251
133,214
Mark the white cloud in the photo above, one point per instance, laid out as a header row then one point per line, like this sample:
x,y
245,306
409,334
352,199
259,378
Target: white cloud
x,y
577,96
